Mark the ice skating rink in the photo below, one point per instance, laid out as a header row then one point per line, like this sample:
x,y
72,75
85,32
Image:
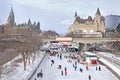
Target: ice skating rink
x,y
51,71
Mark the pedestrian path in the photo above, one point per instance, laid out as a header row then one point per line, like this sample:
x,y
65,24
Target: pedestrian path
x,y
53,72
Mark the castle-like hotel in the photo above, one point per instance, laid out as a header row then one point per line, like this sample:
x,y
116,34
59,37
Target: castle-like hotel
x,y
10,28
88,27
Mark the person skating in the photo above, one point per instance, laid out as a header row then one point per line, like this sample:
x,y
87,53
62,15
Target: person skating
x,y
62,72
65,71
52,62
81,70
96,68
86,67
59,66
99,68
75,62
89,77
75,67
60,56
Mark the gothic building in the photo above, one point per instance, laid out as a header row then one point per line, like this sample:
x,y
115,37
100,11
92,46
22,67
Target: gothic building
x,y
88,27
10,28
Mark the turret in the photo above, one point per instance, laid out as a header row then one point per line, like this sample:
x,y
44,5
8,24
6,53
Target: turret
x,y
76,19
38,25
29,22
75,14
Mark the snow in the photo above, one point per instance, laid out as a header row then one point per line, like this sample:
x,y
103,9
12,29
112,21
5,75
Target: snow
x,y
110,65
110,55
114,67
15,71
53,73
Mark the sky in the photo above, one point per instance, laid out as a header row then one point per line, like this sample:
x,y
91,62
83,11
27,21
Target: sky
x,y
55,15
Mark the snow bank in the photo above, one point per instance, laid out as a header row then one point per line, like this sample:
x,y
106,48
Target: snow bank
x,y
15,71
110,65
28,73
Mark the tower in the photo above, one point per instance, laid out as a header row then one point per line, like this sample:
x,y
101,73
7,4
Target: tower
x,y
99,22
98,12
29,22
38,25
11,19
76,19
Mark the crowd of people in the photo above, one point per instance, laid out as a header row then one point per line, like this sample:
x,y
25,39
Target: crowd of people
x,y
64,71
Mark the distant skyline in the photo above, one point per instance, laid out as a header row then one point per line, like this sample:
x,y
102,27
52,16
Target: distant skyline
x,y
55,15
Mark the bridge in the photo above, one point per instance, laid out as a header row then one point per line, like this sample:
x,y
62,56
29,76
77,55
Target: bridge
x,y
84,41
87,40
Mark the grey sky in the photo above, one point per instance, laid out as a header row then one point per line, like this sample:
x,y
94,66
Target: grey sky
x,y
56,14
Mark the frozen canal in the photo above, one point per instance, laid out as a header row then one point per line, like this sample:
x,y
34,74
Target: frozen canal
x,y
51,72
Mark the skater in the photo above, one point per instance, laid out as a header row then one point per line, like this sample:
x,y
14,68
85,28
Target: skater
x,y
75,62
81,70
52,61
89,77
41,74
59,66
65,71
99,68
37,75
86,67
62,72
96,68
75,67
60,56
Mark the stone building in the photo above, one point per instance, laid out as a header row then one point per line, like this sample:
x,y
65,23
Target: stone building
x,y
88,27
10,28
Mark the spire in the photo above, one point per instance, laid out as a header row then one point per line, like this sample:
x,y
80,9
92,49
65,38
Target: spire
x,y
11,20
29,22
98,12
75,14
38,25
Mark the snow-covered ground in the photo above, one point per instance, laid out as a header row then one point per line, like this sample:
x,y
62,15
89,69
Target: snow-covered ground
x,y
111,64
53,73
14,69
110,55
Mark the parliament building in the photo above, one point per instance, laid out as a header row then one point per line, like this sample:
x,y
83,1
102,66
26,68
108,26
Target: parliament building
x,y
11,28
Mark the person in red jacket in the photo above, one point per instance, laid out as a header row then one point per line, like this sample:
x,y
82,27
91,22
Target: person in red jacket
x,y
86,67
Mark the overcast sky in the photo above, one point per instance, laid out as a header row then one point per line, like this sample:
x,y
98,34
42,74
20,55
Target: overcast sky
x,y
55,14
